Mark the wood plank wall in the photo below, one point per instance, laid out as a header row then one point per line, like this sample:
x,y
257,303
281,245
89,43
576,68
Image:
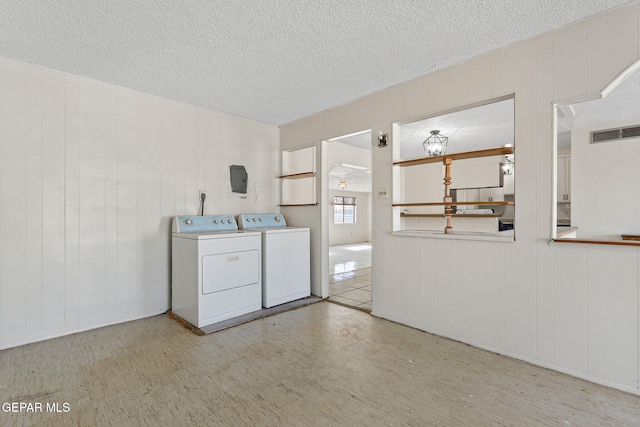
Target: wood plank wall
x,y
90,177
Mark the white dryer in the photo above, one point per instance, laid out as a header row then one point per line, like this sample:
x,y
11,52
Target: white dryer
x,y
216,269
286,258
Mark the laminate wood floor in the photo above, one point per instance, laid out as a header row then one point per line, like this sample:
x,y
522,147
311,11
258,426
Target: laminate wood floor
x,y
320,365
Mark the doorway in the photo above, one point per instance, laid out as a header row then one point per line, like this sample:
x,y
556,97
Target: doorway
x,y
349,219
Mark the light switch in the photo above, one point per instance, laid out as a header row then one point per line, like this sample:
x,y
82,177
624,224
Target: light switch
x,y
383,193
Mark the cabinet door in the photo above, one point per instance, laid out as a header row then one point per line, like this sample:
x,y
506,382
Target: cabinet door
x,y
497,194
484,194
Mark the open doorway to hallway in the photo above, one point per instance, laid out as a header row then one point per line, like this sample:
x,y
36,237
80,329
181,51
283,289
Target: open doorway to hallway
x,y
349,191
350,275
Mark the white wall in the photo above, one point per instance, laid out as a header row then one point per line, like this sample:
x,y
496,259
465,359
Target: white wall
x,y
90,176
573,308
604,185
342,234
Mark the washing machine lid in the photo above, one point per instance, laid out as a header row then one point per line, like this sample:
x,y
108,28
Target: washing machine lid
x,y
204,224
261,221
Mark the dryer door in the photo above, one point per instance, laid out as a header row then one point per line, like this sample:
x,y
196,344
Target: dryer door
x,y
230,270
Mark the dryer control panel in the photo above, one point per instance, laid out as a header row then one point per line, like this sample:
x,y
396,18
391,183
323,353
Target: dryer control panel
x,y
203,224
249,221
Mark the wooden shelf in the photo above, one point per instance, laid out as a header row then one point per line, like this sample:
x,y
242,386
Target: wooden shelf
x,y
448,204
630,237
600,242
298,175
303,204
442,215
451,203
501,151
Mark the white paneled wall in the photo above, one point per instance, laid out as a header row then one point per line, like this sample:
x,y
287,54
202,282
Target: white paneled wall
x,y
570,308
90,177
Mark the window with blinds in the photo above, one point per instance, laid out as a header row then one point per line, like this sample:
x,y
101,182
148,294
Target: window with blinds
x,y
344,210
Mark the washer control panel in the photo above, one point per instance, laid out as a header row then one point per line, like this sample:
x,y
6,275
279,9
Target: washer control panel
x,y
203,224
249,221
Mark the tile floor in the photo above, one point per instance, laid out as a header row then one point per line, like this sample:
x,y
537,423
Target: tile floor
x,y
350,275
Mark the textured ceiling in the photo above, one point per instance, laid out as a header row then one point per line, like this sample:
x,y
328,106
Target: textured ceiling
x,y
356,179
268,60
479,128
621,107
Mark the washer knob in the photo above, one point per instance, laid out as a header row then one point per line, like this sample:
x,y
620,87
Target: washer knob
x,y
229,221
188,222
277,218
260,219
215,221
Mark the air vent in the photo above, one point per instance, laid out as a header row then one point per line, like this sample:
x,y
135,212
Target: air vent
x,y
614,134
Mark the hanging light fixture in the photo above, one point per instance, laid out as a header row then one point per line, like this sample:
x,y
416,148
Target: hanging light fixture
x,y
435,145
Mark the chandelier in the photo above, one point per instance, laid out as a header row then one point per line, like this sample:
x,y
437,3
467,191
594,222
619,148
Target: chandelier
x,y
435,145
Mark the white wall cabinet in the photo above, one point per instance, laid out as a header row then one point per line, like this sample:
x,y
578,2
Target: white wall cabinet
x,y
564,179
491,194
477,173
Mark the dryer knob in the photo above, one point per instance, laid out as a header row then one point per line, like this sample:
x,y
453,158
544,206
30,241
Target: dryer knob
x,y
188,222
229,221
215,221
277,218
260,219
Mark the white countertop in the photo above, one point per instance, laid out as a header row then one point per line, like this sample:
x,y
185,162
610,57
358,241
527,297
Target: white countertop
x,y
502,236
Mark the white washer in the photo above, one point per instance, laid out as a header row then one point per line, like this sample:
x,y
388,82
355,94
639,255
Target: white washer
x,y
216,269
286,258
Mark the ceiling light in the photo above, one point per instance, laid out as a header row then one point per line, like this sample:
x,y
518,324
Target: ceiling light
x,y
342,185
435,145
